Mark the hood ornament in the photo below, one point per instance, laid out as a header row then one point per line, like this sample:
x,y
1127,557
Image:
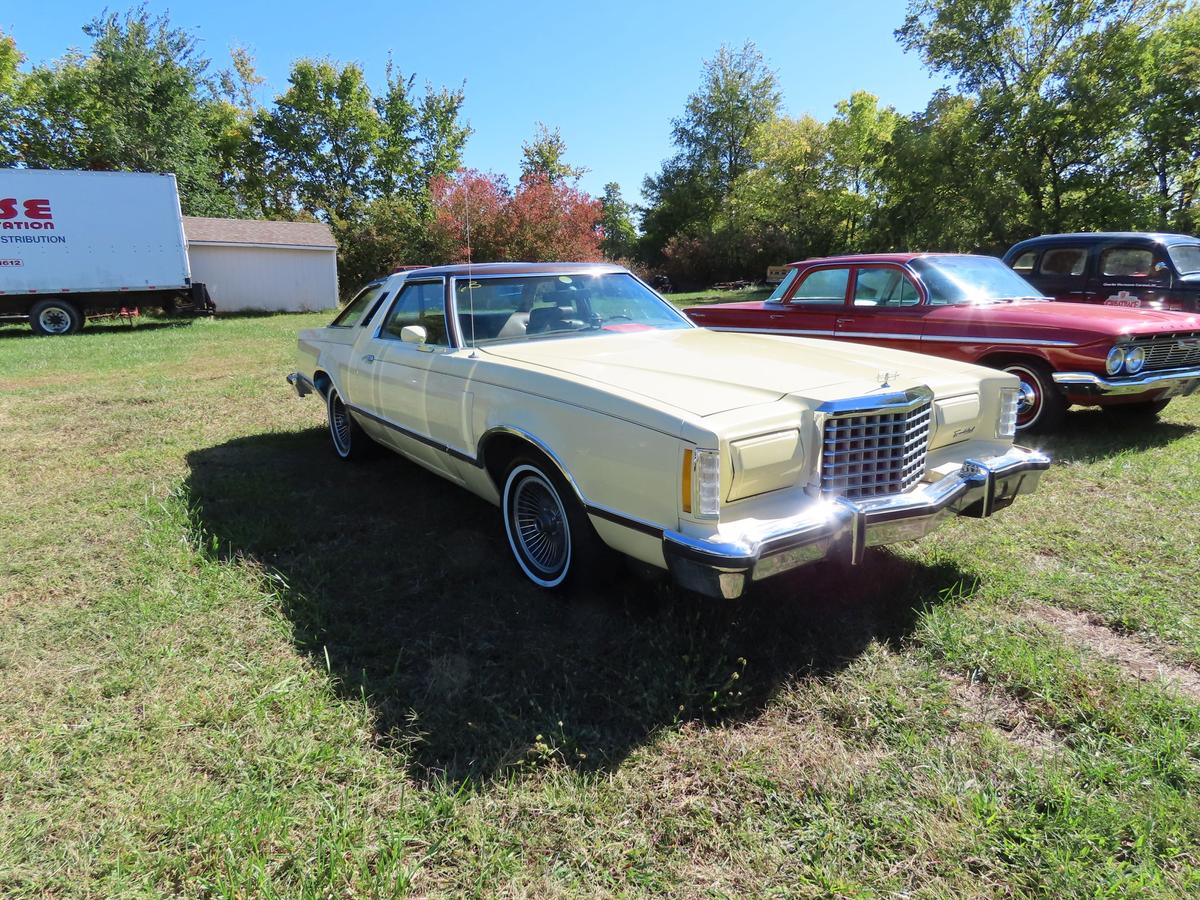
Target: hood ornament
x,y
884,377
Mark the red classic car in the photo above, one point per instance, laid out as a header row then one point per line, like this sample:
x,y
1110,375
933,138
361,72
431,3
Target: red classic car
x,y
976,309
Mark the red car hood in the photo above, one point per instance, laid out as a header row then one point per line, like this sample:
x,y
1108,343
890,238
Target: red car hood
x,y
1103,321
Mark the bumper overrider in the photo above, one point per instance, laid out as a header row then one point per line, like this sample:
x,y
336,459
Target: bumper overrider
x,y
1173,383
840,528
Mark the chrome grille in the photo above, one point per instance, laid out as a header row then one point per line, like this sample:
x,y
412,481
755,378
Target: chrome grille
x,y
873,453
1173,352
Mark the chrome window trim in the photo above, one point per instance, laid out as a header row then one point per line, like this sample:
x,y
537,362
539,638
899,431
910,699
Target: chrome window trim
x,y
891,336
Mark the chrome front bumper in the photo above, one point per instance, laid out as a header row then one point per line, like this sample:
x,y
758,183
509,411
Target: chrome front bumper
x,y
1173,383
724,565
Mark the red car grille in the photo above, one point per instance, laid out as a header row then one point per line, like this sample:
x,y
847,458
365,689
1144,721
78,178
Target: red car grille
x,y
871,455
1172,352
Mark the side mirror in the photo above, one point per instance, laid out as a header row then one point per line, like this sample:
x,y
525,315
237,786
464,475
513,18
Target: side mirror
x,y
1161,267
413,334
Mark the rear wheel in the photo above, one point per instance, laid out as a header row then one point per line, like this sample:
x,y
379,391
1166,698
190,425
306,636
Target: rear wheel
x,y
1041,406
349,441
1146,411
548,530
54,317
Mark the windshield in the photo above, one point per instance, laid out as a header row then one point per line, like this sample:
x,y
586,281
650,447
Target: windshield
x,y
530,307
971,279
1186,258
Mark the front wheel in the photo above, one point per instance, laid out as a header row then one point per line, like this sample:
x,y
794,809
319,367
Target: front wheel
x,y
548,531
1041,406
54,317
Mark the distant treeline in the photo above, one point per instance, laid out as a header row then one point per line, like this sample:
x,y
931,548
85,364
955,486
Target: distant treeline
x,y
1065,116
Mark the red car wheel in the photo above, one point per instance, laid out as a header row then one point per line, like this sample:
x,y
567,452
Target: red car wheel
x,y
1041,405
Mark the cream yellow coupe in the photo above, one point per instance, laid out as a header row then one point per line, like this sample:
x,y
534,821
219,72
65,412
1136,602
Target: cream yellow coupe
x,y
597,416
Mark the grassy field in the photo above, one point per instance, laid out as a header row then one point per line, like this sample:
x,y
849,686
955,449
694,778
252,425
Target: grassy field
x,y
231,666
694,298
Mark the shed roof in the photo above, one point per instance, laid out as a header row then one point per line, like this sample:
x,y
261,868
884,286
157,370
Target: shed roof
x,y
258,232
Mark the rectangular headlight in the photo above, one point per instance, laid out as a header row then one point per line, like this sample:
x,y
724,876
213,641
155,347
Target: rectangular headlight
x,y
1006,423
701,483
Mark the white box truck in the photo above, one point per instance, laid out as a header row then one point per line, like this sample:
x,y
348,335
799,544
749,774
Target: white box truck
x,y
75,245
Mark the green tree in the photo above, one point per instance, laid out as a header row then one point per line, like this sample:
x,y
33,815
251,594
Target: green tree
x,y
10,60
545,157
713,140
137,100
620,237
859,138
324,133
1046,75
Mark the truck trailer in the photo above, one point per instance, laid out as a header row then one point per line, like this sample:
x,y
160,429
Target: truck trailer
x,y
80,245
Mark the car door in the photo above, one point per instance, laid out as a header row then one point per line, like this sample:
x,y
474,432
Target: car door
x,y
816,303
405,388
1130,274
1061,272
885,308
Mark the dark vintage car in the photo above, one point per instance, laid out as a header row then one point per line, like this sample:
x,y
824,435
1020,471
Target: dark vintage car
x,y
1136,269
976,309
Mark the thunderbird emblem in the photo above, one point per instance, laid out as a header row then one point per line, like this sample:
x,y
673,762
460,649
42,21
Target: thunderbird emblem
x,y
884,377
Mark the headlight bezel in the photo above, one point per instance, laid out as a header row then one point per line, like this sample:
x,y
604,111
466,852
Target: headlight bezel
x,y
1114,362
1135,359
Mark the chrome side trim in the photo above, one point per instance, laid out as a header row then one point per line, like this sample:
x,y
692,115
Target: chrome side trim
x,y
420,438
893,336
1178,382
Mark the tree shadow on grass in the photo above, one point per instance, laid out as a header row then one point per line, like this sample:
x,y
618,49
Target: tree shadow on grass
x,y
1090,435
404,581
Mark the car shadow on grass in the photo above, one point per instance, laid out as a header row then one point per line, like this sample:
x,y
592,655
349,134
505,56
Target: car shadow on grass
x,y
404,583
1090,435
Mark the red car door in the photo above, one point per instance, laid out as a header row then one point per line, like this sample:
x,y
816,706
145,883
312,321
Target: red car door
x,y
885,309
814,306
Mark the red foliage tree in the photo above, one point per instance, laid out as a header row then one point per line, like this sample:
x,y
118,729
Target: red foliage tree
x,y
541,220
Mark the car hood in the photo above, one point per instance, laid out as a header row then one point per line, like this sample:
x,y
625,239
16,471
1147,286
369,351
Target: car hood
x,y
1041,319
707,372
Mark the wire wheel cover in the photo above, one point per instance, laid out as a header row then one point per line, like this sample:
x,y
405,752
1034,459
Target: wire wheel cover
x,y
339,425
540,525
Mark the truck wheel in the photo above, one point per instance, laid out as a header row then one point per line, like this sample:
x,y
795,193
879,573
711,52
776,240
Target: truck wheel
x,y
1146,411
1041,406
548,530
51,317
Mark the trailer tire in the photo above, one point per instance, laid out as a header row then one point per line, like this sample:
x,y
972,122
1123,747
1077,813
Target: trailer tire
x,y
55,317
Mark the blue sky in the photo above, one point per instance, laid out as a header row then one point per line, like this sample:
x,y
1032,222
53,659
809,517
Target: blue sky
x,y
610,75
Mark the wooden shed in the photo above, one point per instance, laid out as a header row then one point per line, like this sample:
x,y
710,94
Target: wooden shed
x,y
252,264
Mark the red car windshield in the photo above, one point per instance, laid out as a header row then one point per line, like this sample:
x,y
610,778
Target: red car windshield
x,y
952,280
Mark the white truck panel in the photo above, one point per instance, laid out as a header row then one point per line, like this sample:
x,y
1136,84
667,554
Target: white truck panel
x,y
74,232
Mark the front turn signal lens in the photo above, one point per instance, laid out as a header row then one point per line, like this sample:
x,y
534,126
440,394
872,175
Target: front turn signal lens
x,y
686,480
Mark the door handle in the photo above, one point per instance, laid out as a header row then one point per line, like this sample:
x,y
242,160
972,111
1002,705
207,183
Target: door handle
x,y
369,358
775,316
845,321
